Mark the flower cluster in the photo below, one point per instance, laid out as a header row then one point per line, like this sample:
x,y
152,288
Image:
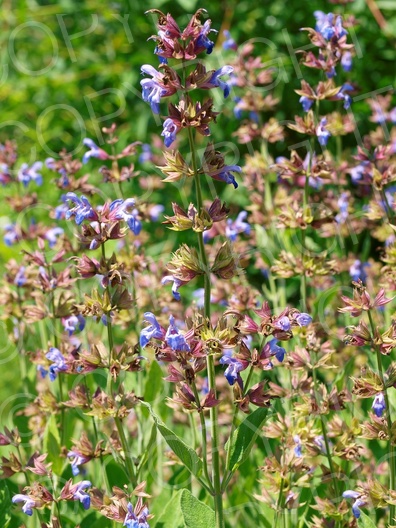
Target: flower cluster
x,y
184,46
126,380
105,221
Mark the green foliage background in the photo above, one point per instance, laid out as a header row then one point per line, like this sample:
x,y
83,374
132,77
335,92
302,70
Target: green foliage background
x,y
53,95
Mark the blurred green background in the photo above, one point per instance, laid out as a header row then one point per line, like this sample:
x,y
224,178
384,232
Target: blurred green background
x,y
70,67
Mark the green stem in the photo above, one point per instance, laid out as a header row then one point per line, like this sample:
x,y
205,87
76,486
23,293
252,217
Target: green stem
x,y
111,345
303,285
23,368
21,461
130,468
109,335
303,235
391,450
215,448
326,440
268,202
193,428
229,473
59,514
54,504
388,208
96,435
216,477
278,505
202,252
339,148
274,292
22,353
204,440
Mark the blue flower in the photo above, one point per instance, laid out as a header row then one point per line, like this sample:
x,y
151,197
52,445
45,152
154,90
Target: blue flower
x,y
155,211
52,235
215,80
106,317
43,372
177,283
319,441
340,31
163,60
321,19
237,108
64,181
199,297
146,154
232,371
358,172
82,210
81,495
94,151
77,459
153,331
306,102
346,61
12,235
20,277
136,519
316,182
152,91
350,494
29,503
72,323
343,204
355,507
357,271
326,26
169,132
202,40
50,163
322,133
392,117
174,338
58,362
298,446
303,319
27,174
283,324
234,228
125,210
331,72
60,211
277,351
254,117
5,174
224,174
346,87
379,404
229,43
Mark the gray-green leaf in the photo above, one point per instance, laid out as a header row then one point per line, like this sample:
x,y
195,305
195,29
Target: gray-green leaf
x,y
186,454
364,521
244,437
5,505
185,510
52,445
